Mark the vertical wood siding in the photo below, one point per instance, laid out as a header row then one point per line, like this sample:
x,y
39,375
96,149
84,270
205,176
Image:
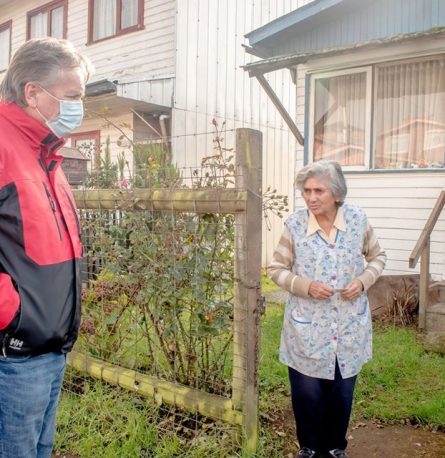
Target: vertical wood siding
x,y
148,53
210,84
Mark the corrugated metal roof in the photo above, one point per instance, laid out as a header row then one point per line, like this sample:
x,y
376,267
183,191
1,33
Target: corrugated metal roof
x,y
290,60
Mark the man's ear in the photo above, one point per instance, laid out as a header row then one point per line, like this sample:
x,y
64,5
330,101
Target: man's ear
x,y
30,94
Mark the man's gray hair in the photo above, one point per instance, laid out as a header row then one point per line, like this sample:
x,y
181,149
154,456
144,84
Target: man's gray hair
x,y
329,172
40,60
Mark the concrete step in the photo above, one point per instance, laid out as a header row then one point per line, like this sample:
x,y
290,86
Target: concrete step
x,y
435,317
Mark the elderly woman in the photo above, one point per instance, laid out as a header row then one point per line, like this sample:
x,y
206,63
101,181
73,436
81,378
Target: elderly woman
x,y
326,336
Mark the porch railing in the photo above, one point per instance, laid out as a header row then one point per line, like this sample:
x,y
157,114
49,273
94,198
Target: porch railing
x,y
422,251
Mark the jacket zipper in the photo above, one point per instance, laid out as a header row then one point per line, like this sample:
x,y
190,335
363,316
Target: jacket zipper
x,y
53,208
76,217
5,339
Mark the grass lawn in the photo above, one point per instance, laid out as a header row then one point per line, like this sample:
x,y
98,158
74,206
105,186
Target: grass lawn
x,y
401,383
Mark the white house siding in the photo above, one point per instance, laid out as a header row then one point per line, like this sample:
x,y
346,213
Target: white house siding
x,y
146,55
398,203
398,207
210,84
148,52
198,43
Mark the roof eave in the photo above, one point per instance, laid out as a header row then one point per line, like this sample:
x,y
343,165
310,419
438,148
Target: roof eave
x,y
296,17
290,60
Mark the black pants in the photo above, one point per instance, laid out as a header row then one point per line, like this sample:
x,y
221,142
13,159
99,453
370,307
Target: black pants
x,y
322,409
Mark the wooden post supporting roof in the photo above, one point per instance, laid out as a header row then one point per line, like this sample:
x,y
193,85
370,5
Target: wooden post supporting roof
x,y
280,107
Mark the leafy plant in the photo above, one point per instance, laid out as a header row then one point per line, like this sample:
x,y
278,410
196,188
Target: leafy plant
x,y
160,286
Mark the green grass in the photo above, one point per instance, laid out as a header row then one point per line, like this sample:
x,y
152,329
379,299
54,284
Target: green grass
x,y
267,284
401,382
107,422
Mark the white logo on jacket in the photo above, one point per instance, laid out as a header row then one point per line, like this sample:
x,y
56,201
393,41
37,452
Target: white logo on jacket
x,y
16,344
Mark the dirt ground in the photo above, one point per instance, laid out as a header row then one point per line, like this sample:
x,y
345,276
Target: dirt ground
x,y
369,439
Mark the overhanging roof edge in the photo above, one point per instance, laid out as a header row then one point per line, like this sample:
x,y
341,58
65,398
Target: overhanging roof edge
x,y
289,60
295,17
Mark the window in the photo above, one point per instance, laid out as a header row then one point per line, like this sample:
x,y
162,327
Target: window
x,y
88,143
5,44
108,18
410,115
341,124
398,107
48,20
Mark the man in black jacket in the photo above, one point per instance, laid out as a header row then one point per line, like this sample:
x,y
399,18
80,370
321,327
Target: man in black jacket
x,y
40,248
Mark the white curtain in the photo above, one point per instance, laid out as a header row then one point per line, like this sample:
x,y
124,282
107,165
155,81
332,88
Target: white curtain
x,y
410,115
340,118
4,48
104,19
39,25
57,22
129,13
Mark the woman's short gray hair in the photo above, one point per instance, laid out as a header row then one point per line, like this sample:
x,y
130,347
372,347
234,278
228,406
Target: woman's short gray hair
x,y
40,60
328,171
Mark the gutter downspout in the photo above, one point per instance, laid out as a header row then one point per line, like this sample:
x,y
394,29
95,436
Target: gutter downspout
x,y
162,124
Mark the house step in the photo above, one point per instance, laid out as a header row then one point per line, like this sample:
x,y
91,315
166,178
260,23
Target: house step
x,y
435,317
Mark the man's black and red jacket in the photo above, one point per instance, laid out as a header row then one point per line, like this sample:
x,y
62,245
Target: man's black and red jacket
x,y
40,247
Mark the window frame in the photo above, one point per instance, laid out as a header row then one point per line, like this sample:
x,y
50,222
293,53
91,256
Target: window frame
x,y
374,61
47,8
119,31
5,26
88,135
368,70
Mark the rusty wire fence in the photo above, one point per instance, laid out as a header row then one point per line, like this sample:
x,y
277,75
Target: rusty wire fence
x,y
172,301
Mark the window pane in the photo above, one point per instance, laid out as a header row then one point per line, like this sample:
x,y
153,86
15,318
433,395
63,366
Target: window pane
x,y
4,48
410,115
104,19
39,25
57,22
129,13
340,119
90,149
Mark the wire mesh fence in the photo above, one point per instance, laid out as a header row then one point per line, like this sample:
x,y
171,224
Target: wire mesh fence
x,y
171,300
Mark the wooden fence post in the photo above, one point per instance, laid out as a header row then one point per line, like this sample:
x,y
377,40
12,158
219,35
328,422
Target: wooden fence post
x,y
248,284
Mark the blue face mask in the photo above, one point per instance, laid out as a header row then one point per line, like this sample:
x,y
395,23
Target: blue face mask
x,y
70,116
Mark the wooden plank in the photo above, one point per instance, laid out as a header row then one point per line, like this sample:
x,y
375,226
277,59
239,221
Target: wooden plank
x,y
396,180
280,107
424,283
424,238
161,391
248,284
184,200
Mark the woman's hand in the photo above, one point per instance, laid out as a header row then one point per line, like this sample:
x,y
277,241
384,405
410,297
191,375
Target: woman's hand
x,y
320,291
353,290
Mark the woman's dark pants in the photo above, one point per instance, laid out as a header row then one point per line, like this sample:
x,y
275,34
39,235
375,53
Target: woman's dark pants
x,y
322,409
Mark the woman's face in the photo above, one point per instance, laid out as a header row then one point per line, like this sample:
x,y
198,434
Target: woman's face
x,y
319,198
